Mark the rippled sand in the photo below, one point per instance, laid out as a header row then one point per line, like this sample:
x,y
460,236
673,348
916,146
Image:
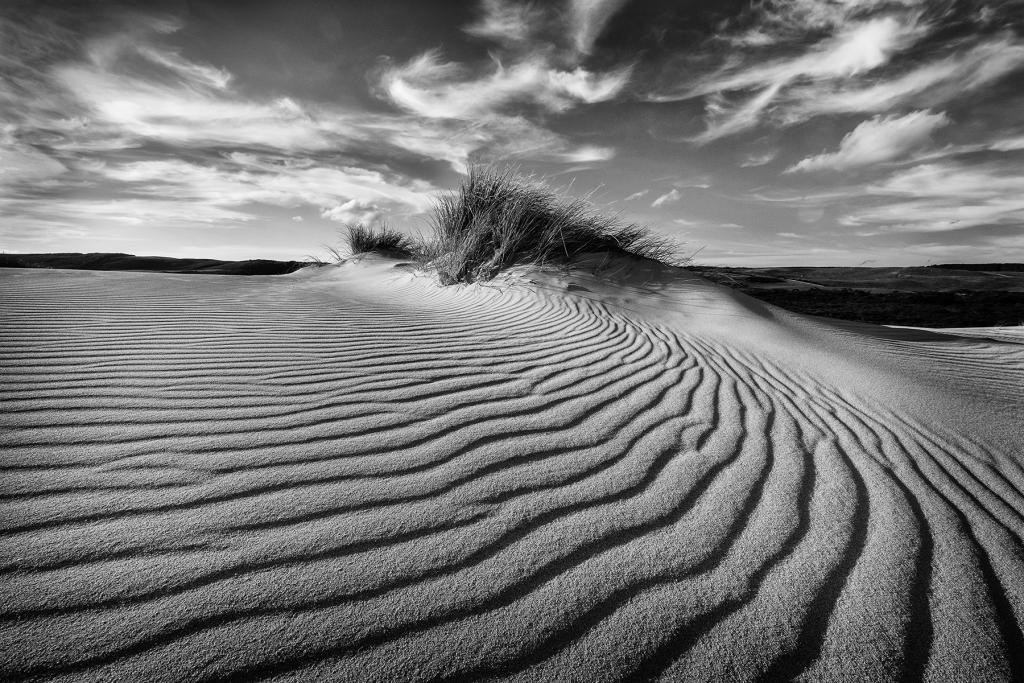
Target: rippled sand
x,y
353,474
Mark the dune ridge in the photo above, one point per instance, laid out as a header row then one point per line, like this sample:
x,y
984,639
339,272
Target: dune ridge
x,y
352,473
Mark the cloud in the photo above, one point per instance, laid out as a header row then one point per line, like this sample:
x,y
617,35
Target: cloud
x,y
953,180
587,18
243,179
533,70
432,88
354,211
1009,144
777,21
21,163
637,195
509,23
755,159
667,198
127,89
184,115
188,71
220,194
944,196
857,49
166,212
929,84
515,24
856,56
882,138
455,110
126,86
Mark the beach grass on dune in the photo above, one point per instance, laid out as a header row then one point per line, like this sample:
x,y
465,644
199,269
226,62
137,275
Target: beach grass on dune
x,y
497,219
383,240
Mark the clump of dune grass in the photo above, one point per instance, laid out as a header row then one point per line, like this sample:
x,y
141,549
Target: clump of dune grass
x,y
383,240
497,219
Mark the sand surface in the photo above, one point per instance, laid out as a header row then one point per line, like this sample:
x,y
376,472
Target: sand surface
x,y
353,474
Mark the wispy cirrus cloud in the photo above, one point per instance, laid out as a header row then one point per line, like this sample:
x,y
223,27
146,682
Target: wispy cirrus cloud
x,y
944,196
21,163
587,18
241,179
740,96
128,121
669,197
430,87
849,57
570,30
1008,144
82,105
928,84
880,139
532,68
508,23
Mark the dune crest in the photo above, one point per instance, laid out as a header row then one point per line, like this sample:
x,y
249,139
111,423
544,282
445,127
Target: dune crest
x,y
352,473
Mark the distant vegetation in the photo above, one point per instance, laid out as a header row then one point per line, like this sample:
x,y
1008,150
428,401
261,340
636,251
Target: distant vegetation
x,y
924,296
917,309
163,264
497,219
987,267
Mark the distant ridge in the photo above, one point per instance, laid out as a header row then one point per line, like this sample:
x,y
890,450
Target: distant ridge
x,y
1013,267
162,264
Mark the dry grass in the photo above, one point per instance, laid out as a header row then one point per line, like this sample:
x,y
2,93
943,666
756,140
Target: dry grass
x,y
497,219
382,240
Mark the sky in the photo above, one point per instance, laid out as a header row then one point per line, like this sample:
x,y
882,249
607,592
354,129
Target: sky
x,y
773,132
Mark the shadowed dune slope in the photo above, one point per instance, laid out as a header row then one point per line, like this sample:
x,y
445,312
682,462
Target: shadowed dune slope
x,y
354,474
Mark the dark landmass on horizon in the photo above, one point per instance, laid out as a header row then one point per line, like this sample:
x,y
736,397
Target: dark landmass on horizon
x,y
942,295
157,264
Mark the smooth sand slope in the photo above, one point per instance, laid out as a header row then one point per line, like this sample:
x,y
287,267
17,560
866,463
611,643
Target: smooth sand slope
x,y
353,474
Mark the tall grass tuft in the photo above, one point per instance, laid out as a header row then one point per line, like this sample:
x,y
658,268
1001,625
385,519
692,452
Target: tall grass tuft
x,y
497,219
383,240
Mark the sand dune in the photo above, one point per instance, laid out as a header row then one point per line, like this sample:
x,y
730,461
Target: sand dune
x,y
353,474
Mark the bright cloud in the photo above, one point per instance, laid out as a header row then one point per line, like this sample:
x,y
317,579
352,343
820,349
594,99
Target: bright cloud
x,y
930,84
509,23
354,211
880,139
858,49
430,87
123,126
667,198
245,179
1009,144
166,98
184,116
843,57
21,164
945,196
588,18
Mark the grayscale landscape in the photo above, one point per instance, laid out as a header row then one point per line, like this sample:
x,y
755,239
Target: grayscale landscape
x,y
466,341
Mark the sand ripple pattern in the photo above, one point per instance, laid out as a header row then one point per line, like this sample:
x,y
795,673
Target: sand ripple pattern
x,y
244,478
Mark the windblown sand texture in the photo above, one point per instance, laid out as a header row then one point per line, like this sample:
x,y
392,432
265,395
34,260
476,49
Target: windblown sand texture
x,y
352,473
